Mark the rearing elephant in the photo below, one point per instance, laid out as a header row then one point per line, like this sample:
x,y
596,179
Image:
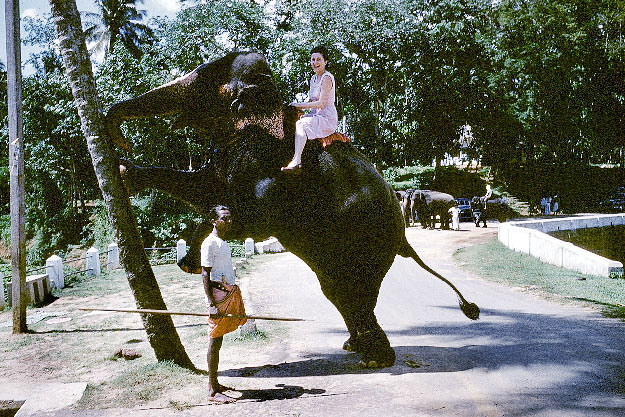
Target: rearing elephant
x,y
338,214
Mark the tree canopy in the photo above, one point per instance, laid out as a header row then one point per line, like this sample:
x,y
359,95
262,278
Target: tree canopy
x,y
534,81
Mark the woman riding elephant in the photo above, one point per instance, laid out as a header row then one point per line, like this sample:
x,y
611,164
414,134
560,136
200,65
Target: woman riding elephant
x,y
322,120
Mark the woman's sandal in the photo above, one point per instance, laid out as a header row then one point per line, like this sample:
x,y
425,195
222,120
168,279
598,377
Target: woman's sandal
x,y
293,170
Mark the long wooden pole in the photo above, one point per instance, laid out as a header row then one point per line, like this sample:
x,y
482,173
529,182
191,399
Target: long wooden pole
x,y
16,164
189,313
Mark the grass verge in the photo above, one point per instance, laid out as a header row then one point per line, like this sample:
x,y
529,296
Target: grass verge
x,y
87,340
494,262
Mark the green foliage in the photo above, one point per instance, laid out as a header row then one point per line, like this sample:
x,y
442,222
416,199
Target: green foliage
x,y
495,262
456,182
418,177
118,21
539,82
5,229
162,221
99,232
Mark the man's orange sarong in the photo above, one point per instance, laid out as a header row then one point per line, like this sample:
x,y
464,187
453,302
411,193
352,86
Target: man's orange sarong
x,y
228,302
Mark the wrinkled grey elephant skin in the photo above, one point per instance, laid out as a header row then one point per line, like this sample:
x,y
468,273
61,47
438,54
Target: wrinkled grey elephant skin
x,y
338,214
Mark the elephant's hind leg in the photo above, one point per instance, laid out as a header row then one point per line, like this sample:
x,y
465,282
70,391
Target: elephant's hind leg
x,y
356,307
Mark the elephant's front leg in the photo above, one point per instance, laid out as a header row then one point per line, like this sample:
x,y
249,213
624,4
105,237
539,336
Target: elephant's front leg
x,y
201,189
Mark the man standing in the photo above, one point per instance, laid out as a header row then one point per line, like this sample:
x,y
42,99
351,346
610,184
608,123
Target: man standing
x,y
222,297
455,216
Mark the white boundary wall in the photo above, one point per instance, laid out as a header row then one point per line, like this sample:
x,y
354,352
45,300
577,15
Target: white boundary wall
x,y
531,237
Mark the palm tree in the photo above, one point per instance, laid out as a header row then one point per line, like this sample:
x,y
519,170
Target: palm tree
x,y
160,331
117,20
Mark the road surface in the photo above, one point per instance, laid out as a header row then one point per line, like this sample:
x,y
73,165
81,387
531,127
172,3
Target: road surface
x,y
524,357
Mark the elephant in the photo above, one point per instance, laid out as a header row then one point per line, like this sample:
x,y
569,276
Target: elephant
x,y
337,213
432,204
495,208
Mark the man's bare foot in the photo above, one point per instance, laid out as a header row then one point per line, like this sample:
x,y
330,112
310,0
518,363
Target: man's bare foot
x,y
218,397
222,388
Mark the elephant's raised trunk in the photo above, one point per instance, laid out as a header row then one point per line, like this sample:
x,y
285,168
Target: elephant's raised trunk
x,y
161,101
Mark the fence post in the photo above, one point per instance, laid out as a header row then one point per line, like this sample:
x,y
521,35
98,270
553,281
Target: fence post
x,y
1,294
93,262
249,247
181,250
112,259
54,269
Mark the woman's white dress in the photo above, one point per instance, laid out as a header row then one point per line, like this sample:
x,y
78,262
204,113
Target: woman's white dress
x,y
319,123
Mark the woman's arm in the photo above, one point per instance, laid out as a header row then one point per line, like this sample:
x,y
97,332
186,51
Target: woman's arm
x,y
324,96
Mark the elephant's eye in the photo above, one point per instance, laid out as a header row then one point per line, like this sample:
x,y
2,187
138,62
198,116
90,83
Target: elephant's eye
x,y
255,78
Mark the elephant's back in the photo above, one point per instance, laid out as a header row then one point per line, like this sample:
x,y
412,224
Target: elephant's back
x,y
363,200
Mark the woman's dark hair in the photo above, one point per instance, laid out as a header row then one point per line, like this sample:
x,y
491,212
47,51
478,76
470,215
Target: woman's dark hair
x,y
215,211
322,50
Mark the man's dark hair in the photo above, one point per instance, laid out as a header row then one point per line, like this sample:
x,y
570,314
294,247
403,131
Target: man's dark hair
x,y
322,50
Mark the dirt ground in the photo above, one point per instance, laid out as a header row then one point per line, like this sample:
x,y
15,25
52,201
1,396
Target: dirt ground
x,y
514,361
66,344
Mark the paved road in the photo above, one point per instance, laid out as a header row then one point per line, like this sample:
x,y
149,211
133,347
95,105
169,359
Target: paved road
x,y
524,357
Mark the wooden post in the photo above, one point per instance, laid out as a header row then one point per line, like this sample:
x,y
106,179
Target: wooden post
x,y
16,164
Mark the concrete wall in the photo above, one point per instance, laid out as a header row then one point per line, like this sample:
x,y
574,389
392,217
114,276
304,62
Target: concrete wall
x,y
530,237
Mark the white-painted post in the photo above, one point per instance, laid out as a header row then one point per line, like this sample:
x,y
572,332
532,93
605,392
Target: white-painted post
x,y
181,249
54,269
112,259
249,247
93,262
1,294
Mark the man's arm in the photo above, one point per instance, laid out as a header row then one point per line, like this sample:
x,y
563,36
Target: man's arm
x,y
206,280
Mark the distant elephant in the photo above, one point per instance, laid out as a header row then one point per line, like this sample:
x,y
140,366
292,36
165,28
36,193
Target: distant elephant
x,y
416,211
337,214
495,208
432,204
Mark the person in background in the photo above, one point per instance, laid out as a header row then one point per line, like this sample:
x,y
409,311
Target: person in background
x,y
455,216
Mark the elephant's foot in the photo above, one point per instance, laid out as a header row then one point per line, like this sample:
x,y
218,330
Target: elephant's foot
x,y
374,347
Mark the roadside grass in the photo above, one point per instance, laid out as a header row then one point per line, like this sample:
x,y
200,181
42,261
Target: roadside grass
x,y
494,262
146,383
81,345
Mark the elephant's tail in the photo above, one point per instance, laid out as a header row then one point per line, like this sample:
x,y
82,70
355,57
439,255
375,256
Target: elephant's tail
x,y
471,310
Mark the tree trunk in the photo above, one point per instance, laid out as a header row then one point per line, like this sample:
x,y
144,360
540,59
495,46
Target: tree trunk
x,y
160,329
16,164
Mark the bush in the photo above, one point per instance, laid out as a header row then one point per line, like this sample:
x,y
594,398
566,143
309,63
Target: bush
x,y
98,232
452,180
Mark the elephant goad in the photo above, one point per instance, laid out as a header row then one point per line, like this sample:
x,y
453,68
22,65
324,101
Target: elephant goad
x,y
338,214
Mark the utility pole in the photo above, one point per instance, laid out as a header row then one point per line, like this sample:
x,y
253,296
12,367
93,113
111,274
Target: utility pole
x,y
16,164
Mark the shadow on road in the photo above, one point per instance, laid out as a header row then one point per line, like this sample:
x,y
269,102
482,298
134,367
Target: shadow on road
x,y
501,340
